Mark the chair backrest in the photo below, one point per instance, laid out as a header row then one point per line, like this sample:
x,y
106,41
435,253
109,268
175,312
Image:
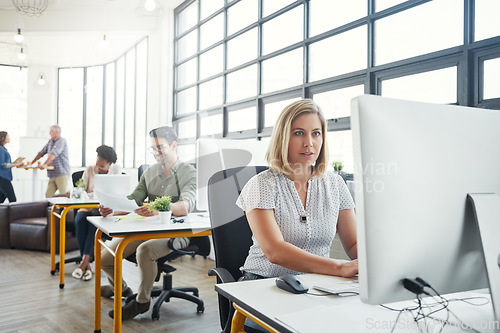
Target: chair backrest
x,y
141,170
77,175
231,233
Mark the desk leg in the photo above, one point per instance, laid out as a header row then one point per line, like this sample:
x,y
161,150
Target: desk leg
x,y
53,240
62,245
97,278
238,322
118,284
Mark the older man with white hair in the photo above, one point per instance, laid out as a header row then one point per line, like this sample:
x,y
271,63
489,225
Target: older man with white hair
x,y
57,151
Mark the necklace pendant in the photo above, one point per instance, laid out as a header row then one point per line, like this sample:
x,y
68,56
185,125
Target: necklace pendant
x,y
303,218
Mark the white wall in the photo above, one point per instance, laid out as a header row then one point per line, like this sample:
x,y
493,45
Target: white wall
x,y
42,101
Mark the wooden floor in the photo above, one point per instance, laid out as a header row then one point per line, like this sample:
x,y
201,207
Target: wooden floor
x,y
31,301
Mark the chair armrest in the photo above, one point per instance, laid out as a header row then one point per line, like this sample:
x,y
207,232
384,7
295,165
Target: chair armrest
x,y
222,273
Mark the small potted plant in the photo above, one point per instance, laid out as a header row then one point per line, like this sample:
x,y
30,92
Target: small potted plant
x,y
78,191
162,205
337,167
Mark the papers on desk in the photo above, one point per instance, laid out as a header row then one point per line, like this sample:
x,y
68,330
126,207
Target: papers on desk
x,y
116,202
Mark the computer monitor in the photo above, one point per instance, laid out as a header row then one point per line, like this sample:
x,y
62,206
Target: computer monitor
x,y
213,155
415,164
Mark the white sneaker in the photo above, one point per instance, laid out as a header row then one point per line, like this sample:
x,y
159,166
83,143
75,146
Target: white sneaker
x,y
87,275
77,273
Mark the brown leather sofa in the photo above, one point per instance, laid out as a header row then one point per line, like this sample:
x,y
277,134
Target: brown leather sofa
x,y
26,225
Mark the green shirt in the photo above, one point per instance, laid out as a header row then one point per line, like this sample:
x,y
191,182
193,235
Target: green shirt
x,y
180,185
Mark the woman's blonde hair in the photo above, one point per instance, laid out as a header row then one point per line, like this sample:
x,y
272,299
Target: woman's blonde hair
x,y
277,152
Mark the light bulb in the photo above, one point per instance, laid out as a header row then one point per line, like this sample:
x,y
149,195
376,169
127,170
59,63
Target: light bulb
x,y
104,42
150,5
18,37
41,80
21,55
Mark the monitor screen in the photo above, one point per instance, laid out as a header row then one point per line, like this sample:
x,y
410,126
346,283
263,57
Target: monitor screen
x,y
213,155
415,163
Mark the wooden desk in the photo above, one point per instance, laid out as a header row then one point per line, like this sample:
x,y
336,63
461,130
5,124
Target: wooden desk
x,y
66,204
281,311
195,225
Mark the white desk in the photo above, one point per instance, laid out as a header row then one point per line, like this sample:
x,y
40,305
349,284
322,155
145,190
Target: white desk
x,y
66,204
282,311
195,225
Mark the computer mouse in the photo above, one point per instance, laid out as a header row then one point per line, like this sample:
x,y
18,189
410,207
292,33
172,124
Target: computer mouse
x,y
292,283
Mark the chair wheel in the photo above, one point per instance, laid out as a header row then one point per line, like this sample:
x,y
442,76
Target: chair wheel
x,y
52,272
200,309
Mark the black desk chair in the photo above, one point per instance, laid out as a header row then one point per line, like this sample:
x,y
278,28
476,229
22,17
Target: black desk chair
x,y
141,170
231,233
197,245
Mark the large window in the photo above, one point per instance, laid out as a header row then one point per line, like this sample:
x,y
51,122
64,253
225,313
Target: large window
x,y
110,101
238,63
13,105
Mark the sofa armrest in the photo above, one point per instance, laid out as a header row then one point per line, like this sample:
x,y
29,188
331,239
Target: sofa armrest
x,y
4,226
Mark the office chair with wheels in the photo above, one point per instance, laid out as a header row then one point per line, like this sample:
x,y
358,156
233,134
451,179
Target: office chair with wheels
x,y
197,245
231,233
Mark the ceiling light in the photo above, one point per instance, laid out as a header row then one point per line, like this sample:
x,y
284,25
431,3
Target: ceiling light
x,y
104,42
21,55
150,5
31,7
18,37
41,80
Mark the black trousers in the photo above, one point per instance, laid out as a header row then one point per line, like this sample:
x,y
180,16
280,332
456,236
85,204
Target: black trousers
x,y
6,191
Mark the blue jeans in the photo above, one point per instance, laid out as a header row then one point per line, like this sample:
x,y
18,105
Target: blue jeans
x,y
85,232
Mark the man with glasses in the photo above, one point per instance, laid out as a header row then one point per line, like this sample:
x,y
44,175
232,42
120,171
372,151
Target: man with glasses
x,y
169,176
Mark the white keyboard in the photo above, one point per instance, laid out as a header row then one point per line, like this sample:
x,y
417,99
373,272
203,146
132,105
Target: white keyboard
x,y
342,288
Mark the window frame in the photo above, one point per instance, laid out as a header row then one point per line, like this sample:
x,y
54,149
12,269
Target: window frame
x,y
468,58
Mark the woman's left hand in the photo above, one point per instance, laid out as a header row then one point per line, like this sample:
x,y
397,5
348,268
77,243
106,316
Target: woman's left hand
x,y
349,268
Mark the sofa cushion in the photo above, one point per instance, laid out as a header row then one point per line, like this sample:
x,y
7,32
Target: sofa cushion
x,y
22,210
29,234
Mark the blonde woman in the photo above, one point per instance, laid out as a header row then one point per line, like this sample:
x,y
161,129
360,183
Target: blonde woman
x,y
296,207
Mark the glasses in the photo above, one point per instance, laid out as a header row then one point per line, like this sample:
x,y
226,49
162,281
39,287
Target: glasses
x,y
157,149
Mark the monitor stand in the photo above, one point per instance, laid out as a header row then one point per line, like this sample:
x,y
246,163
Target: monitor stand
x,y
486,209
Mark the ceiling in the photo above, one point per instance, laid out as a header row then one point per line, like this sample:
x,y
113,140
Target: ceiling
x,y
68,33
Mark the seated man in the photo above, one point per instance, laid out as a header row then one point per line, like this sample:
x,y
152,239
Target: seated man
x,y
169,176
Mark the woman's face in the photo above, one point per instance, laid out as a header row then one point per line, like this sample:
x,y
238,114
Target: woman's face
x,y
306,139
102,166
7,139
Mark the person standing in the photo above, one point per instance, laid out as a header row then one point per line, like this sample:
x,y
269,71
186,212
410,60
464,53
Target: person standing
x,y
6,189
57,151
